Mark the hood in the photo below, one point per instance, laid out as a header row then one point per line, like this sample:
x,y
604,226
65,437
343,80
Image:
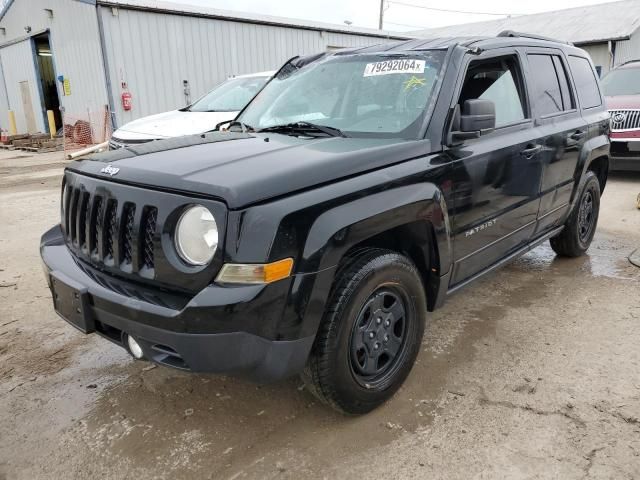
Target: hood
x,y
243,169
172,124
623,102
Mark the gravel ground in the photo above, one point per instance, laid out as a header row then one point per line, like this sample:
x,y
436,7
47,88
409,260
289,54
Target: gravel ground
x,y
533,372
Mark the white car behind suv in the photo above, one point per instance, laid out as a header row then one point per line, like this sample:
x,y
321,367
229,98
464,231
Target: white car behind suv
x,y
219,105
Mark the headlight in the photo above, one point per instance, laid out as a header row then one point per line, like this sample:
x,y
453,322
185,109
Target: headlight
x,y
196,235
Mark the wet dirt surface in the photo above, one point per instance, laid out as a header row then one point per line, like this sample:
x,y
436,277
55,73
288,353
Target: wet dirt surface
x,y
532,372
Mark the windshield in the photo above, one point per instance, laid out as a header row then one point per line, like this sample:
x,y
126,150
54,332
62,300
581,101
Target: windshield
x,y
625,81
229,96
361,95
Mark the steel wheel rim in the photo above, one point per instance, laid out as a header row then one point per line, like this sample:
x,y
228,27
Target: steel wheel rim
x,y
586,216
379,337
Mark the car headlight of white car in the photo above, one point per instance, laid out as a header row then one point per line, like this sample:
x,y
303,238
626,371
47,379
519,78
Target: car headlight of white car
x,y
196,235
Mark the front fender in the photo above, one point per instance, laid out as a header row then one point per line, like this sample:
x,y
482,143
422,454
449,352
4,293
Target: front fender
x,y
339,229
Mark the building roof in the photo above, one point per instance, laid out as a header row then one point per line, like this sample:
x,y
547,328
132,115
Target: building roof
x,y
580,25
208,12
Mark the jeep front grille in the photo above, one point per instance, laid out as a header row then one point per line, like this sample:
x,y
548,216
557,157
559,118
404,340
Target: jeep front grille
x,y
149,222
109,228
625,119
82,226
93,229
116,228
97,218
127,237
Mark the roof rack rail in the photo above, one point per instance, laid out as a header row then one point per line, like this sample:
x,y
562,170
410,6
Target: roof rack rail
x,y
511,33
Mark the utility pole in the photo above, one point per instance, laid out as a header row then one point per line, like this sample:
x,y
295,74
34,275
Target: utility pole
x,y
381,21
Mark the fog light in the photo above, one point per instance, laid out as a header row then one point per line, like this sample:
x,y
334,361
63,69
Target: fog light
x,y
134,347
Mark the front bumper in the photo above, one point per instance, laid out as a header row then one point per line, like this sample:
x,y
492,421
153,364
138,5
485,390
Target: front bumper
x,y
625,153
220,330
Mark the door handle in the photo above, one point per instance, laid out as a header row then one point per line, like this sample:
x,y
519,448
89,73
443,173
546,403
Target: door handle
x,y
530,151
577,135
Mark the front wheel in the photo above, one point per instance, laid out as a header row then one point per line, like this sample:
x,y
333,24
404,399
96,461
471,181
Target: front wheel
x,y
371,333
580,227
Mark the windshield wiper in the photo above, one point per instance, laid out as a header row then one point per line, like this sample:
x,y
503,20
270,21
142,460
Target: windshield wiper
x,y
305,127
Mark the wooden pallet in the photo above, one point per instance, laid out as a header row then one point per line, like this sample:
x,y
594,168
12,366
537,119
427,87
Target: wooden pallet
x,y
36,143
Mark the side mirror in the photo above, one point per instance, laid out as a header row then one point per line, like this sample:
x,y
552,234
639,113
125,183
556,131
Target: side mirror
x,y
478,118
222,126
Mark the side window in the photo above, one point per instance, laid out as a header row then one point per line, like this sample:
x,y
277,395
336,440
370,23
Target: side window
x,y
586,83
565,89
496,80
551,92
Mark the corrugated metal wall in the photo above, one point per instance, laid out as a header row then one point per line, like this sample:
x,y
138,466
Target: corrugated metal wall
x,y
18,67
4,100
599,53
155,52
75,43
628,49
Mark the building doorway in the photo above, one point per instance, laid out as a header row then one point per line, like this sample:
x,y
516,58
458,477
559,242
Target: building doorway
x,y
47,78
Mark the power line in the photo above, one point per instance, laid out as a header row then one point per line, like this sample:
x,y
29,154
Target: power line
x,y
496,14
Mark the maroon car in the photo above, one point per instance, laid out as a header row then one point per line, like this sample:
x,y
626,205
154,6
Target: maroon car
x,y
621,87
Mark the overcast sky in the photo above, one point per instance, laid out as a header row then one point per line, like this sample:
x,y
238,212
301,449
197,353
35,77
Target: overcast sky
x,y
398,14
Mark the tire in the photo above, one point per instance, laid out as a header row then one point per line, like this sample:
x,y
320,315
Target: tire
x,y
580,227
378,298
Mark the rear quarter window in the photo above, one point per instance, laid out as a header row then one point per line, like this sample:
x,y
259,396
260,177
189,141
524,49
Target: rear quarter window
x,y
586,83
550,88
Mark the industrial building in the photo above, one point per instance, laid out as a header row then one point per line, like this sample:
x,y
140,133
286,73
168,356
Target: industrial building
x,y
84,54
609,32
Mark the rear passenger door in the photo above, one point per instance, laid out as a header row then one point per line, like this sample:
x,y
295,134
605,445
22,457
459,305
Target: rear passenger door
x,y
496,177
562,131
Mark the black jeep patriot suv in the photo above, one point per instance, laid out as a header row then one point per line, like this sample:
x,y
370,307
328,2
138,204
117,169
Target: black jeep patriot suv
x,y
353,194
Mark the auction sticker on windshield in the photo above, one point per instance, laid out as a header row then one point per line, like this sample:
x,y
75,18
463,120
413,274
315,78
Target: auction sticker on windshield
x,y
405,65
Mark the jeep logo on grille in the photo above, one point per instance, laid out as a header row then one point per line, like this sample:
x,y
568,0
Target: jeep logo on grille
x,y
619,118
110,170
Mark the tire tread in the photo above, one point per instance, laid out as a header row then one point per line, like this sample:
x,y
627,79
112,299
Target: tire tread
x,y
566,243
350,275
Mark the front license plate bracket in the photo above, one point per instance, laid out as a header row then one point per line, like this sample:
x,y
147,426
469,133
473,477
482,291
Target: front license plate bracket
x,y
71,302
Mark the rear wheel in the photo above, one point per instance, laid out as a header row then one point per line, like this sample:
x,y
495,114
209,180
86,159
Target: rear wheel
x,y
371,333
580,227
